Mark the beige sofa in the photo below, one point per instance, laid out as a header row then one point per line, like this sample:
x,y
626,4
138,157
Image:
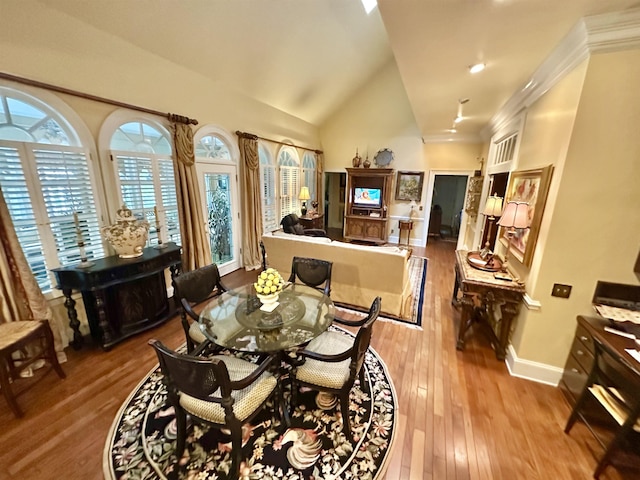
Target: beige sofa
x,y
359,272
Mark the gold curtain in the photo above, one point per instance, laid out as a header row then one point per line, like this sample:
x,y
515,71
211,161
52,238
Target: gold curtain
x,y
20,296
251,201
196,250
319,176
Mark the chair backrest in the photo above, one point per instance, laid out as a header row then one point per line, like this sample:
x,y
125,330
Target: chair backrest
x,y
199,284
363,337
312,272
291,224
194,376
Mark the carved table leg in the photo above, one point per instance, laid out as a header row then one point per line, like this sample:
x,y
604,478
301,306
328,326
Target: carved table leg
x,y
456,286
107,334
466,317
509,311
74,323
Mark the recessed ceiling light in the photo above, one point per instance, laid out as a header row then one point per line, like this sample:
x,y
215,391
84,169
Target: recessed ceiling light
x,y
369,5
478,67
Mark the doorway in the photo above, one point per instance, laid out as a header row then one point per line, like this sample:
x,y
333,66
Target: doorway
x,y
218,188
334,197
445,203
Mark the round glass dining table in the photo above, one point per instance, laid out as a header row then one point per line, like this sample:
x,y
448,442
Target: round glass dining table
x,y
237,319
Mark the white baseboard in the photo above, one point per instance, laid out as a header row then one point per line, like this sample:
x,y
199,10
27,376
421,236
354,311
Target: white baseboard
x,y
534,371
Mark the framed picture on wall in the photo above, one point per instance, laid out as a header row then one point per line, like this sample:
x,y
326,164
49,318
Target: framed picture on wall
x,y
409,186
532,187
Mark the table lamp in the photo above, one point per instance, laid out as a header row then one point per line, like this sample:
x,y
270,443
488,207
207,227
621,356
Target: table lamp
x,y
304,196
492,209
515,215
413,205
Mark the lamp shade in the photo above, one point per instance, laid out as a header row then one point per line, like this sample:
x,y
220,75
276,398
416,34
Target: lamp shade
x,y
493,207
304,194
413,204
515,215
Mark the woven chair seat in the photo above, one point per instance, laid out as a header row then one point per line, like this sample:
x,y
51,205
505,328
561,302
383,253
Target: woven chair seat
x,y
196,334
246,401
327,374
13,332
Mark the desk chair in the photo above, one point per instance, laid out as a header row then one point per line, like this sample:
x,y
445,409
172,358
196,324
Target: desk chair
x,y
331,362
17,336
192,288
223,391
615,385
312,272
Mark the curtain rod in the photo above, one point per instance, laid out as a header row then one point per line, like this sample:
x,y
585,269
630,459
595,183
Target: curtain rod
x,y
34,83
256,137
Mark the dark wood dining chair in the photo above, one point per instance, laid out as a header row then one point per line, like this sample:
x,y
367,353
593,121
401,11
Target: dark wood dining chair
x,y
614,384
34,341
222,391
332,361
312,272
192,288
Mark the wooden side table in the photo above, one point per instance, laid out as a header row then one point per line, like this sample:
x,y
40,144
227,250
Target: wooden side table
x,y
405,225
482,295
312,221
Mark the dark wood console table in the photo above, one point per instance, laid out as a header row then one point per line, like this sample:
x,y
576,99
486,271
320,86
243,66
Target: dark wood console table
x,y
122,296
490,302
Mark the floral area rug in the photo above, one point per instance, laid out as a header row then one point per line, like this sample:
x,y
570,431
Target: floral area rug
x,y
418,278
142,439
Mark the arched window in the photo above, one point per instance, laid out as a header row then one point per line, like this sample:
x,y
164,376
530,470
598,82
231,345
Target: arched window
x,y
212,147
289,169
142,154
270,220
47,180
309,174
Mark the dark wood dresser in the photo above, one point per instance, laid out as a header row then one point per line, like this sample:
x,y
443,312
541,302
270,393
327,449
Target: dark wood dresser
x,y
122,296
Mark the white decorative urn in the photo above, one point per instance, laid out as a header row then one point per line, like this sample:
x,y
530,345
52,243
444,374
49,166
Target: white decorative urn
x,y
128,235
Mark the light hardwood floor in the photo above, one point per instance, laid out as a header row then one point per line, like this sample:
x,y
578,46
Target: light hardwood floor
x,y
462,416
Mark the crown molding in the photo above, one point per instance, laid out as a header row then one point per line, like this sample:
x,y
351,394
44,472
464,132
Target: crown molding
x,y
452,138
599,33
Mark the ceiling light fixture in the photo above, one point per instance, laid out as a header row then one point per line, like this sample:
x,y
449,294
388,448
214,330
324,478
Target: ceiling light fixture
x,y
478,67
369,5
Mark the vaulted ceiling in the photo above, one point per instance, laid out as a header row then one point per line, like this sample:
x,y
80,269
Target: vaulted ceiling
x,y
306,57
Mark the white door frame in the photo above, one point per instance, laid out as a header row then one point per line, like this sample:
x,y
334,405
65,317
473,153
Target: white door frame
x,y
232,171
427,205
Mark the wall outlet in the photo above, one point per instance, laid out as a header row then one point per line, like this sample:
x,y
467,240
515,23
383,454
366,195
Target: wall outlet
x,y
560,290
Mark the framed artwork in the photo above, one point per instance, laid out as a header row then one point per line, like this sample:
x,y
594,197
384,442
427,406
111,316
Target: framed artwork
x,y
409,186
532,187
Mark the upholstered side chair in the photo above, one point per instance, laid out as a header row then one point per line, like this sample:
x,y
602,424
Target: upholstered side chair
x,y
223,391
331,362
291,224
312,272
192,288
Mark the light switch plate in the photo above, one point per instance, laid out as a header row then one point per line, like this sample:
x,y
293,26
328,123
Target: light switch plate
x,y
560,290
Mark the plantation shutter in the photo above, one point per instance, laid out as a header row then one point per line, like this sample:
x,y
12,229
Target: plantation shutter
x,y
61,187
269,205
290,187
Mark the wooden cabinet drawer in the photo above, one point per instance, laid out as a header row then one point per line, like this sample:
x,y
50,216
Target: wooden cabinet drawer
x,y
574,377
585,337
580,351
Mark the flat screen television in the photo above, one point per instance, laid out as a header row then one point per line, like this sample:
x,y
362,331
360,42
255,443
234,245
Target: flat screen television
x,y
367,197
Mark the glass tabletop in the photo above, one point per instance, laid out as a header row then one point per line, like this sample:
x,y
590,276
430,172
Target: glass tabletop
x,y
238,320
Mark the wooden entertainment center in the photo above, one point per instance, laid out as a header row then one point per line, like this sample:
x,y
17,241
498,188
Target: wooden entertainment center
x,y
366,220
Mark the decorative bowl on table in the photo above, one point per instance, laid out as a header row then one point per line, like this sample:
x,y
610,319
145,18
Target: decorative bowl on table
x,y
268,287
